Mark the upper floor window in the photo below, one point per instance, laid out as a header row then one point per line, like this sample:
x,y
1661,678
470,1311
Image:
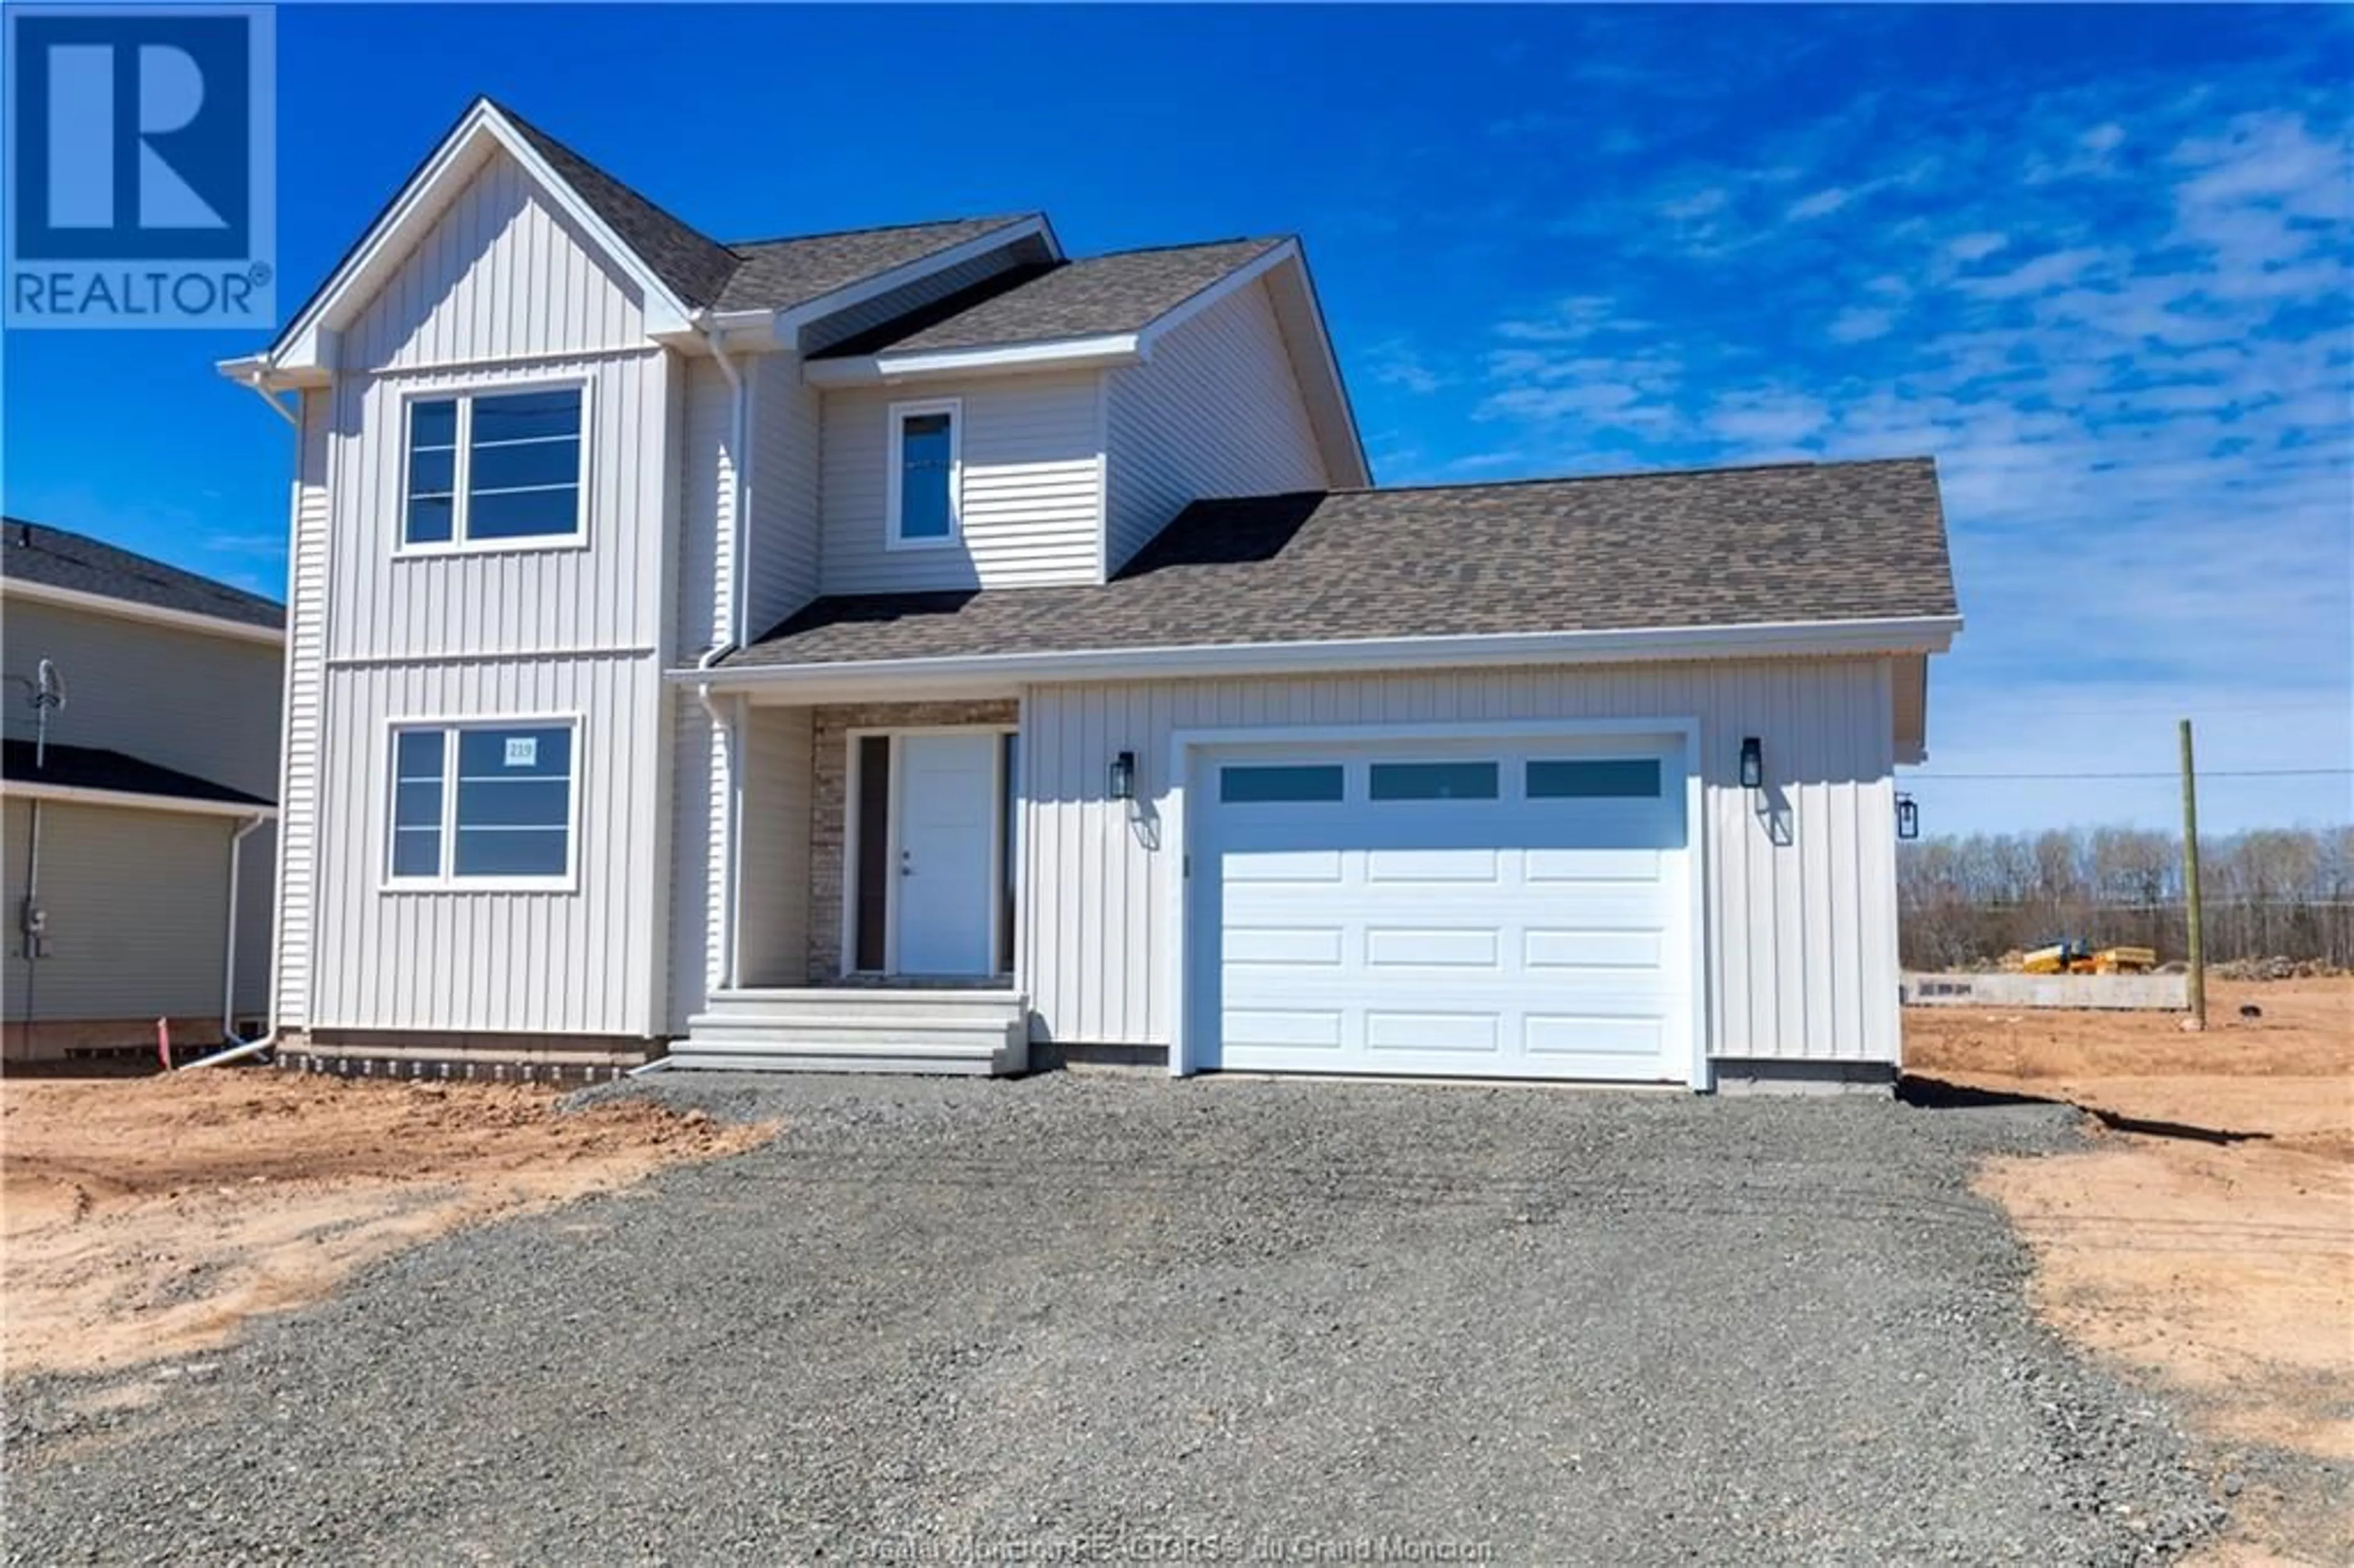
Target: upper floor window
x,y
487,468
925,473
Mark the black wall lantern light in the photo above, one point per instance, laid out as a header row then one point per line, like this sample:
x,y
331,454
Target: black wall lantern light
x,y
1908,817
1752,763
1122,784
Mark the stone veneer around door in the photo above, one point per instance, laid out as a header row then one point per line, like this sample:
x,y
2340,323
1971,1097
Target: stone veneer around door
x,y
830,775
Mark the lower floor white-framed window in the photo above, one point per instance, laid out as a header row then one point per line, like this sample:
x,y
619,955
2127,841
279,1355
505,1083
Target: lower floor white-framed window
x,y
483,803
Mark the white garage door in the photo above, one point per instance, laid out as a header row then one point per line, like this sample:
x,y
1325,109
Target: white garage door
x,y
1501,910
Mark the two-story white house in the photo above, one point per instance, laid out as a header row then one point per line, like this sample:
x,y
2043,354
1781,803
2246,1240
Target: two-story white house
x,y
921,649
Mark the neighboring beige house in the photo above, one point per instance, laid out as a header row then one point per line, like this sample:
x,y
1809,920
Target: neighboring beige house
x,y
920,648
140,765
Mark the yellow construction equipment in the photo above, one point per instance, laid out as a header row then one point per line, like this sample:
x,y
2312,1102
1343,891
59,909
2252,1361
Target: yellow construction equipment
x,y
2076,958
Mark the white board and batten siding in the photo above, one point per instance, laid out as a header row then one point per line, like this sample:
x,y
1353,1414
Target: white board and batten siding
x,y
501,292
1215,411
1031,454
579,961
1798,886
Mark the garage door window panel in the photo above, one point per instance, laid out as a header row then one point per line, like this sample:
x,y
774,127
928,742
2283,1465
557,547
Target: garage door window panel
x,y
1283,784
1593,778
1434,780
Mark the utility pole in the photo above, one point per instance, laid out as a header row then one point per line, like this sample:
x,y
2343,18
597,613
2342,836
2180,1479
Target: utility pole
x,y
2190,884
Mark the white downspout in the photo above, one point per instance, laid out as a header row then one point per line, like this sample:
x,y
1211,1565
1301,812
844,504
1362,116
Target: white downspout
x,y
228,959
725,725
239,1048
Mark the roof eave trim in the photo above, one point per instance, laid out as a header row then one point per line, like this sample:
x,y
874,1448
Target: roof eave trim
x,y
79,795
1062,354
155,614
789,322
308,345
1896,634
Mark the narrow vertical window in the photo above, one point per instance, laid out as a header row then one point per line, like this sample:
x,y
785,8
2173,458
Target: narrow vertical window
x,y
432,513
873,887
924,464
1009,796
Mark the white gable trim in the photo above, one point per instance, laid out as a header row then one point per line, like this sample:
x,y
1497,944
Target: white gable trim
x,y
304,353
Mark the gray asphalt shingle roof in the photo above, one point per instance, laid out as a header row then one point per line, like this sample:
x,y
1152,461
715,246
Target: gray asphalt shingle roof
x,y
35,553
753,274
1800,542
1091,297
96,767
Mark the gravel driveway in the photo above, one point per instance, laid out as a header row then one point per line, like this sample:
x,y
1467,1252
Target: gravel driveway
x,y
1109,1319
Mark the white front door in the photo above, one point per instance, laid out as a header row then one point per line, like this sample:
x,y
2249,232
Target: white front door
x,y
947,853
1513,909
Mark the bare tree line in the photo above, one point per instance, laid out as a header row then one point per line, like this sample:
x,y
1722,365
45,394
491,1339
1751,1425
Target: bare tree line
x,y
2276,893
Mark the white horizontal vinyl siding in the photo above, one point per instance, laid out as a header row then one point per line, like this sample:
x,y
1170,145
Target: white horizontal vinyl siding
x,y
706,470
1032,450
306,645
1798,880
581,961
137,904
772,945
1216,411
699,787
501,274
782,559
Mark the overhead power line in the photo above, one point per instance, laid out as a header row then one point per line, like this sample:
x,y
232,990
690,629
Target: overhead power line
x,y
2203,773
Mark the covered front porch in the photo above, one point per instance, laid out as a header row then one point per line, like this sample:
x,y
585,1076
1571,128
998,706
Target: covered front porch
x,y
868,875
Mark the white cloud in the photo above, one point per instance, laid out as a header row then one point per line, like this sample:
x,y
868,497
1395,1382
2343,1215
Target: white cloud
x,y
2051,271
1394,362
1977,245
1699,204
1822,204
1856,325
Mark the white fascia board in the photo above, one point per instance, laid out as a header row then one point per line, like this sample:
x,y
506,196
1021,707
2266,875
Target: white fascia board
x,y
1785,639
187,805
1066,353
304,347
155,615
789,323
1193,305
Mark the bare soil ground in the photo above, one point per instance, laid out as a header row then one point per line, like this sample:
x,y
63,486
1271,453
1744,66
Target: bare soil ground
x,y
147,1217
2206,1241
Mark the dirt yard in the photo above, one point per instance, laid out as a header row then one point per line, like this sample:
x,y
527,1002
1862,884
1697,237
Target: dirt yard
x,y
2206,1245
145,1218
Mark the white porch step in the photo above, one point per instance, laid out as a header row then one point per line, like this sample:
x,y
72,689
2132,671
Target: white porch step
x,y
859,1030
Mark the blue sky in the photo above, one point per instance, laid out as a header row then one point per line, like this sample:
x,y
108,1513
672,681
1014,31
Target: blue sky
x,y
2096,262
